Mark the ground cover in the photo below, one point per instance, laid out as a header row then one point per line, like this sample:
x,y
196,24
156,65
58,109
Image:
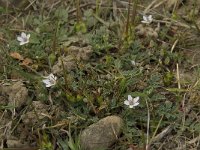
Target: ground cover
x,y
65,65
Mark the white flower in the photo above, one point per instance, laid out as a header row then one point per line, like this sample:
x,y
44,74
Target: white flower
x,y
133,62
50,80
147,19
23,39
132,102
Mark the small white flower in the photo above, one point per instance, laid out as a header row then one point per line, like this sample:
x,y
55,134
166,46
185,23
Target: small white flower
x,y
147,19
50,80
23,39
132,102
133,62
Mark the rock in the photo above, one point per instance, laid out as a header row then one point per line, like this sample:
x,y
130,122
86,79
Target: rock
x,y
69,63
14,142
102,134
80,53
17,94
74,54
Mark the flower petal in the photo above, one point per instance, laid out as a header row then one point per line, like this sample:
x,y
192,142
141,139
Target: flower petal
x,y
46,81
22,43
48,85
129,98
144,18
133,62
135,104
136,99
28,36
131,106
23,35
52,77
150,18
20,39
126,102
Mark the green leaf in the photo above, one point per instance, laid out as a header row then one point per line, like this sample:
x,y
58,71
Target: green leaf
x,y
118,63
62,14
34,38
63,144
80,27
52,58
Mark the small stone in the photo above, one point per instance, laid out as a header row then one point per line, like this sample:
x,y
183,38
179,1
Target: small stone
x,y
68,62
15,144
80,53
17,94
102,134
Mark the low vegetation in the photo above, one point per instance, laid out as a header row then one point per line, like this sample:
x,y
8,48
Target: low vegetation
x,y
67,64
